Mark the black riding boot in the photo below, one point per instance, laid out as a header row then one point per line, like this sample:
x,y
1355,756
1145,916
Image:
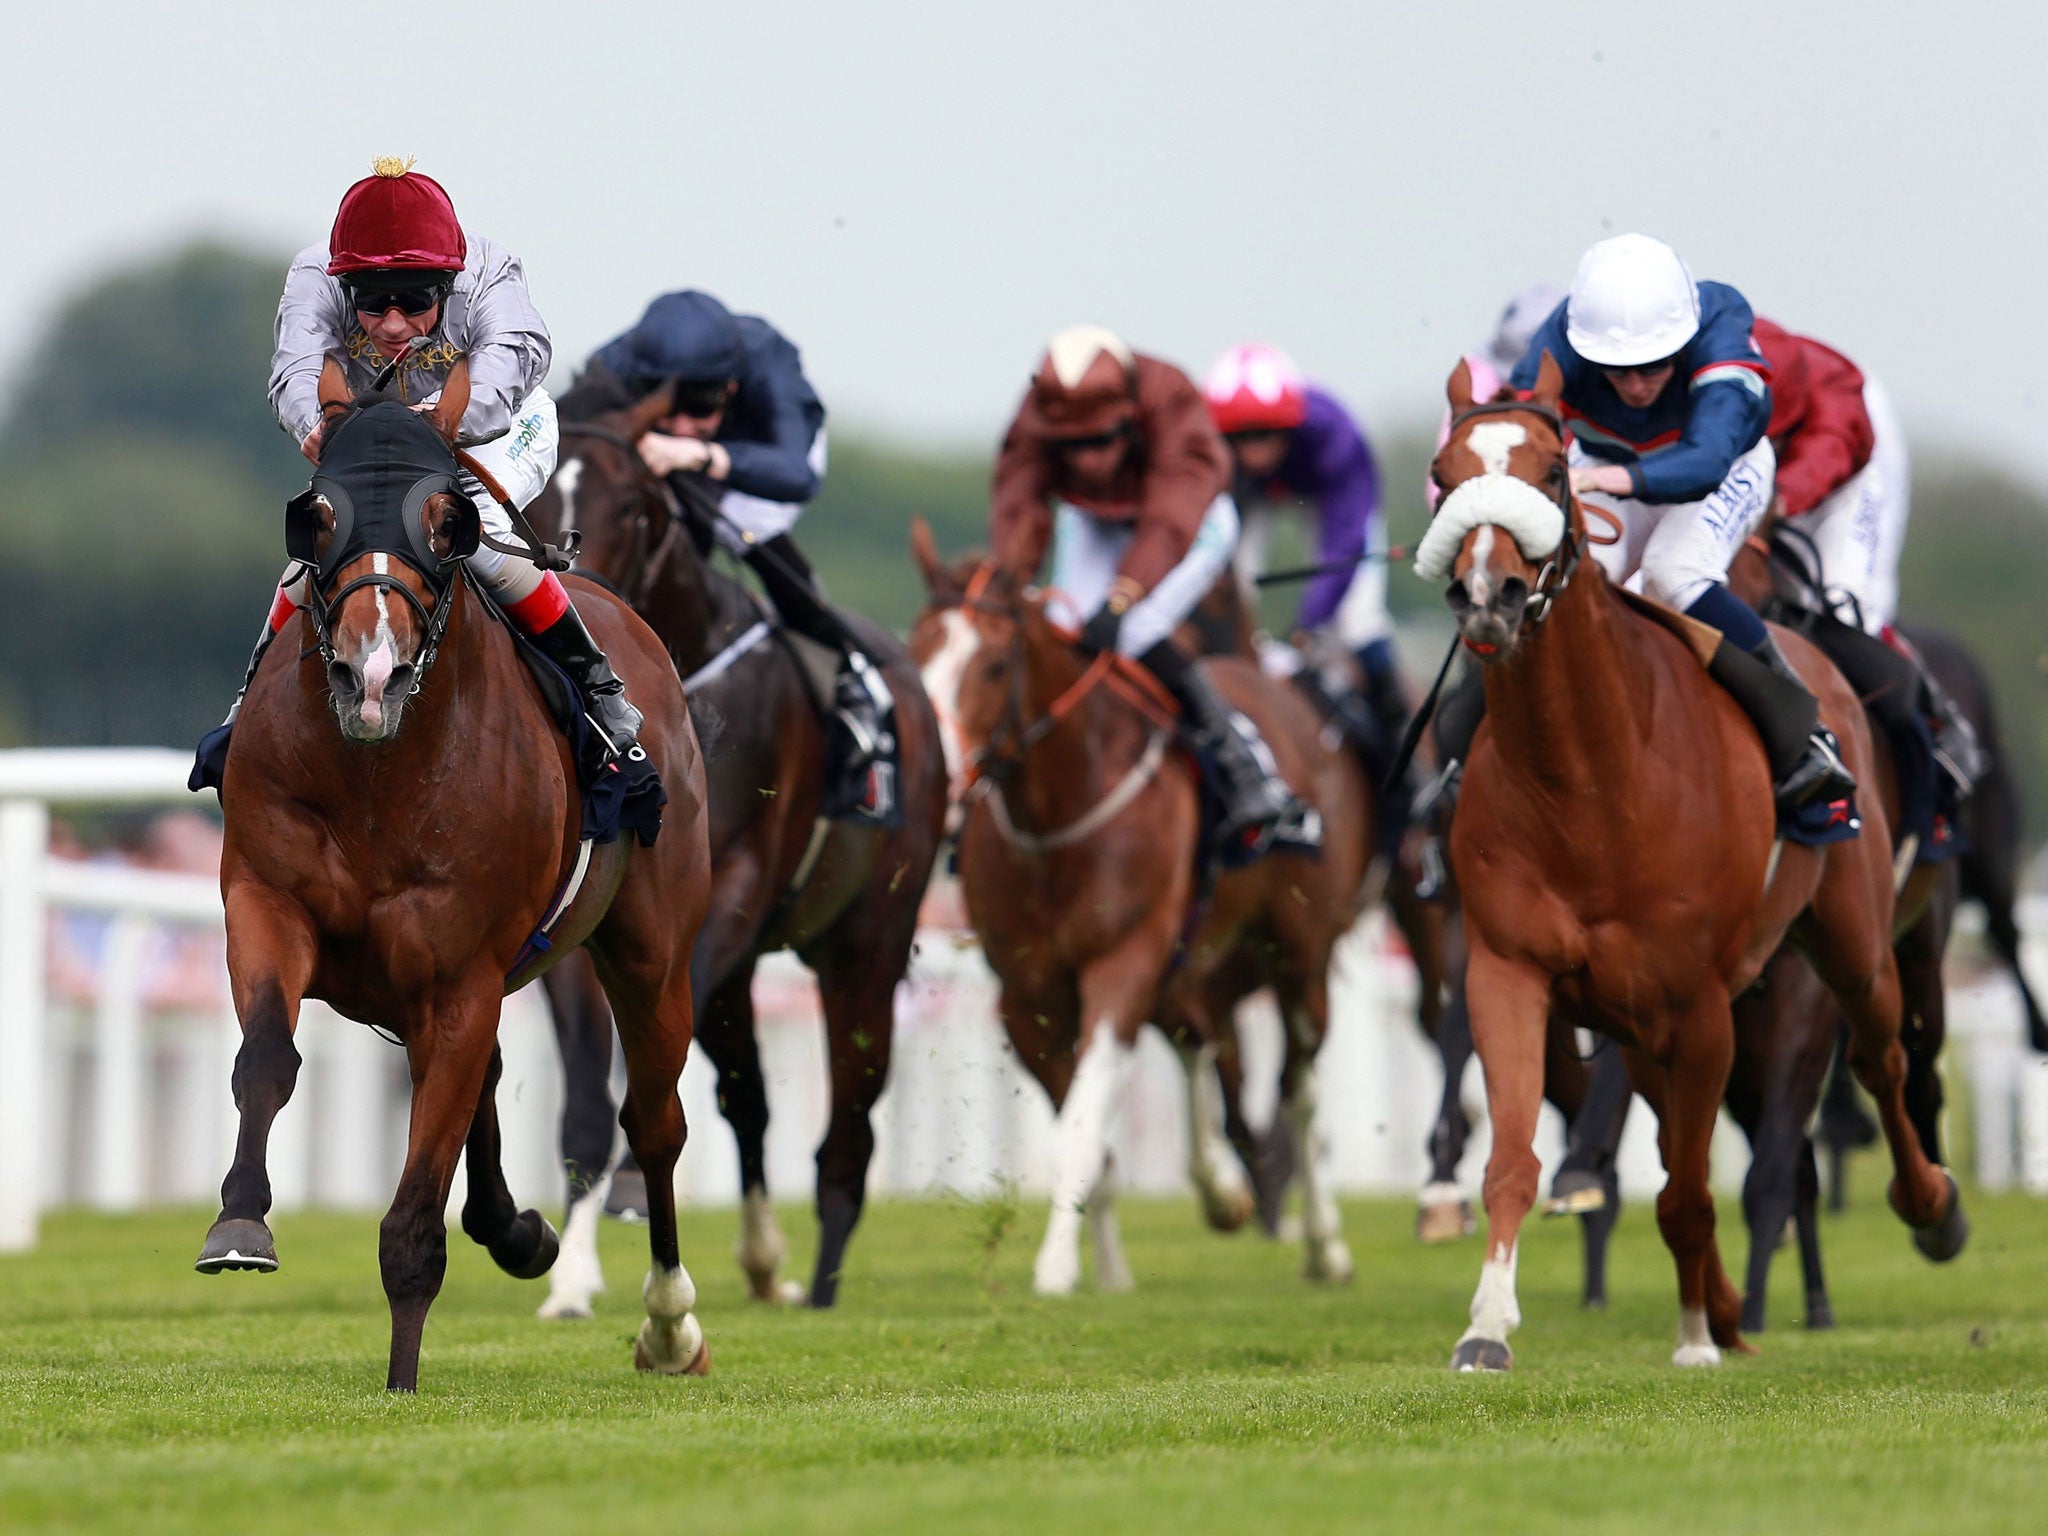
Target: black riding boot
x,y
1259,808
1958,753
570,646
860,695
210,762
1806,761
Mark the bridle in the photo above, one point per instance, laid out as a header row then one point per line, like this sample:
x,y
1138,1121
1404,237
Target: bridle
x,y
1557,571
648,557
1013,737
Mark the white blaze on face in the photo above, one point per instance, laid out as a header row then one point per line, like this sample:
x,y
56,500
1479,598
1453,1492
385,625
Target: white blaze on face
x,y
942,678
382,654
1480,583
1493,441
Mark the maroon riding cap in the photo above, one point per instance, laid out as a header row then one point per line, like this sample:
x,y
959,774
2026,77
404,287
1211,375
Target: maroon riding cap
x,y
396,218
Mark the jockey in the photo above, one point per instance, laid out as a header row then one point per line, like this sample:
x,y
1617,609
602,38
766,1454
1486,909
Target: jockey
x,y
1291,440
1112,459
1667,398
397,272
746,419
1843,483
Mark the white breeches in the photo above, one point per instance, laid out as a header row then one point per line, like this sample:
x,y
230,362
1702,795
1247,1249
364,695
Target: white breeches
x,y
1682,548
748,519
1361,616
1087,551
1860,530
521,461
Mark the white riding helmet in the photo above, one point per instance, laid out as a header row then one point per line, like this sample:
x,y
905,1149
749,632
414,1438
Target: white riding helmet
x,y
1633,301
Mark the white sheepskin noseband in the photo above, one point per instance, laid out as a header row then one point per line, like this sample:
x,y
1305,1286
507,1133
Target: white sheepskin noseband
x,y
1532,519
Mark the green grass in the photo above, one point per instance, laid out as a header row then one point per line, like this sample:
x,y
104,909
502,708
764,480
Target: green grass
x,y
1223,1395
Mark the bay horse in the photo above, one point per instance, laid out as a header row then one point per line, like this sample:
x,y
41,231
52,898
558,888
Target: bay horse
x,y
401,813
1077,858
1616,848
844,897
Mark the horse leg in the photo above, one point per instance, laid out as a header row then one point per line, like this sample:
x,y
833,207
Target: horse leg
x,y
1508,1023
1105,1236
1268,1159
450,1052
583,1031
1696,1080
270,961
522,1243
1851,952
1820,1313
1443,1214
1116,992
726,1035
1213,1164
857,978
1923,1023
1305,1009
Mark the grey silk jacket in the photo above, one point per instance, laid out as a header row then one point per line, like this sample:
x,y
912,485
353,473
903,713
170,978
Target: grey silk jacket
x,y
489,318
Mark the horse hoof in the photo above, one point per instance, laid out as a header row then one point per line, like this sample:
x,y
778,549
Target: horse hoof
x,y
1695,1355
1575,1195
777,1293
1752,1314
1944,1239
645,1359
1229,1210
1819,1315
1445,1222
237,1243
529,1247
564,1309
1329,1263
1482,1355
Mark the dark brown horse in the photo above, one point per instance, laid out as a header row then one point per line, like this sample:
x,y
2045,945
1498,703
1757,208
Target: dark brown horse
x,y
1616,848
844,897
1077,859
401,815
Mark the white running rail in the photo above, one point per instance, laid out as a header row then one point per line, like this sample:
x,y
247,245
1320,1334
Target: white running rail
x,y
110,1104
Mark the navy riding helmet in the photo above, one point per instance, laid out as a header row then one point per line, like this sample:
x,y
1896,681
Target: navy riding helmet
x,y
689,337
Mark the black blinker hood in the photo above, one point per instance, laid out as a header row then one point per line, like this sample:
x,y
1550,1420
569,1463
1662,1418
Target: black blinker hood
x,y
378,466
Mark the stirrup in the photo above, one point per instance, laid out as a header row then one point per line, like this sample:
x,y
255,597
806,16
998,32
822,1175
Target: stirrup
x,y
1958,753
1819,775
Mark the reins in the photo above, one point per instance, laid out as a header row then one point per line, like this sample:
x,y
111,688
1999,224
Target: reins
x,y
647,563
1004,752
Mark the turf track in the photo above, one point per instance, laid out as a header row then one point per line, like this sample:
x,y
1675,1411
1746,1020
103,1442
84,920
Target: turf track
x,y
1223,1395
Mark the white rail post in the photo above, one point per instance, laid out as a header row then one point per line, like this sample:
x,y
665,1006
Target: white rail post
x,y
118,1068
24,844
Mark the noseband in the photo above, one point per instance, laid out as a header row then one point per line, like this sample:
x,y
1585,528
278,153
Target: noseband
x,y
1556,573
646,561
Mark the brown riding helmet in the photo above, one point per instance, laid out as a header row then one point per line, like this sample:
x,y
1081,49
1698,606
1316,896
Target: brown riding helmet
x,y
1086,385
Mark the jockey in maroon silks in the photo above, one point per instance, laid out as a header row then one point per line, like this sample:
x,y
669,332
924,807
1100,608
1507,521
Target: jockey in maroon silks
x,y
400,281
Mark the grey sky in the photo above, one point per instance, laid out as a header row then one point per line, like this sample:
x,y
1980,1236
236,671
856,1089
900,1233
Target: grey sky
x,y
919,193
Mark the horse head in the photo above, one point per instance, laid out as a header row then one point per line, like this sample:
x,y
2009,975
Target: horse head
x,y
991,661
379,530
1507,533
625,515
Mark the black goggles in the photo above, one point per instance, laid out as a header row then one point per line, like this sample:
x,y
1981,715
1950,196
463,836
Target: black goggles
x,y
1083,444
375,299
700,400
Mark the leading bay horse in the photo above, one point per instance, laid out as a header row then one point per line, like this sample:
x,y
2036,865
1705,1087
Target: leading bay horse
x,y
844,897
1616,848
1078,861
401,814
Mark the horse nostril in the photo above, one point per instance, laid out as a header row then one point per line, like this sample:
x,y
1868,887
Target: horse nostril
x,y
401,678
342,679
1459,598
1514,592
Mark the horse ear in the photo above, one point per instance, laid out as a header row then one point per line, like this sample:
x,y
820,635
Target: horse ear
x,y
641,419
334,390
449,410
1549,381
1459,390
924,549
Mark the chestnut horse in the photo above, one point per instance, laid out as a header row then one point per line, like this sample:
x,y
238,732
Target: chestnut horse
x,y
1077,856
1616,848
844,897
401,814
